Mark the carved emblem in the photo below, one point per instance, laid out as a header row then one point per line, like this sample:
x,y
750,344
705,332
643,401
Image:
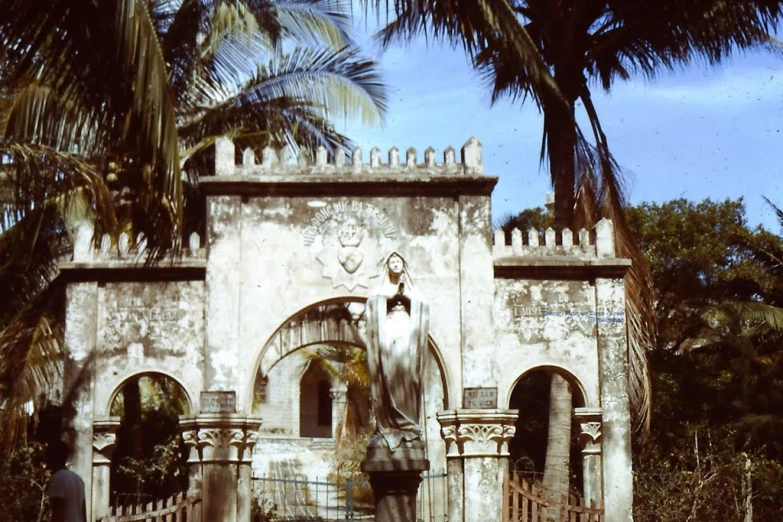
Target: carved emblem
x,y
350,234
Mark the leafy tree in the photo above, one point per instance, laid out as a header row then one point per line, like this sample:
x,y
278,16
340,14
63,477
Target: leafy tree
x,y
718,364
23,480
700,254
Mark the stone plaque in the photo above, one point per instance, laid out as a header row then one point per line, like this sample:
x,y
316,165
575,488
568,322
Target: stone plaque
x,y
480,398
218,402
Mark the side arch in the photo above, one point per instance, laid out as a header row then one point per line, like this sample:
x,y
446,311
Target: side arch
x,y
188,394
580,395
332,321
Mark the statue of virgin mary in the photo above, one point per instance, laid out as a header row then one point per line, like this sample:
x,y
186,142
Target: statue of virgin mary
x,y
397,321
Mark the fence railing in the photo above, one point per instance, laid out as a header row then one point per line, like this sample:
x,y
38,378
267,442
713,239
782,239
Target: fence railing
x,y
176,508
528,502
350,499
577,510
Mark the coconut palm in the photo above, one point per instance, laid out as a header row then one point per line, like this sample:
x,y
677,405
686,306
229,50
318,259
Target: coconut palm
x,y
552,53
348,364
106,107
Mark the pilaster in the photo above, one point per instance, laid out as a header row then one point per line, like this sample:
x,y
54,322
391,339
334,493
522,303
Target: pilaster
x,y
590,423
221,453
477,461
104,440
615,403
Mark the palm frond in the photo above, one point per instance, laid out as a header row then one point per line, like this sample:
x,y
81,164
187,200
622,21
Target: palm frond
x,y
316,22
603,196
126,83
339,82
153,115
489,31
36,114
762,314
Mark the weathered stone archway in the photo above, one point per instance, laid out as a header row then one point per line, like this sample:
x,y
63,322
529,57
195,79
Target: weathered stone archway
x,y
284,238
584,414
337,321
328,322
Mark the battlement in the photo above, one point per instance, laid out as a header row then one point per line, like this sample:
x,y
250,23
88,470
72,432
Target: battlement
x,y
598,243
124,252
282,162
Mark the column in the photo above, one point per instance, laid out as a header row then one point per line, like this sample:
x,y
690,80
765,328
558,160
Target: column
x,y
477,460
221,454
615,404
104,439
339,395
589,420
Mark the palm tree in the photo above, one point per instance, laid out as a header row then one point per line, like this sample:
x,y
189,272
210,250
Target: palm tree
x,y
551,53
106,106
348,365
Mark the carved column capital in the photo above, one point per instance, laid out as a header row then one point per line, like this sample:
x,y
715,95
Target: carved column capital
x,y
220,438
477,433
104,439
339,392
590,423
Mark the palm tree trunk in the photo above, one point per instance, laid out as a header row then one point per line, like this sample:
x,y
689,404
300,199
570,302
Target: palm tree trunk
x,y
561,140
556,468
131,395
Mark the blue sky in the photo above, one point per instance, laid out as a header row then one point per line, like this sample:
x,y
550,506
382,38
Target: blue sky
x,y
697,132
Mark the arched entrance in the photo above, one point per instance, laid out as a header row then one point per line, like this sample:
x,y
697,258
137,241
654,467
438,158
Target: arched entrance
x,y
149,461
312,372
137,448
551,460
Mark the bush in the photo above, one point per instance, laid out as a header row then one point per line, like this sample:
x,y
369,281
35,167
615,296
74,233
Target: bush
x,y
706,480
23,481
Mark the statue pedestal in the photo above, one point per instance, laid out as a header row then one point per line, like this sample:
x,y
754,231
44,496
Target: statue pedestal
x,y
395,478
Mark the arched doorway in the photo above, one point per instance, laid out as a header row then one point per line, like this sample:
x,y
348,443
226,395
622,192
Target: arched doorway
x,y
545,451
324,343
315,403
149,460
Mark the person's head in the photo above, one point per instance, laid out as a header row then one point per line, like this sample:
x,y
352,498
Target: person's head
x,y
395,264
56,455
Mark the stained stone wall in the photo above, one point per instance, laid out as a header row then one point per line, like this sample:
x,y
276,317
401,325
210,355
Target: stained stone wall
x,y
149,327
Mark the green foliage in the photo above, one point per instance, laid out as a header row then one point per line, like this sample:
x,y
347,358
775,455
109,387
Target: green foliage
x,y
538,218
263,510
717,372
23,481
700,254
150,461
705,478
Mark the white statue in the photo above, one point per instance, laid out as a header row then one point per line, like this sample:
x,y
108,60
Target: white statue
x,y
397,320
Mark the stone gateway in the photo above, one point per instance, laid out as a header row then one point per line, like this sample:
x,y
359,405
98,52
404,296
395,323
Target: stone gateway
x,y
296,257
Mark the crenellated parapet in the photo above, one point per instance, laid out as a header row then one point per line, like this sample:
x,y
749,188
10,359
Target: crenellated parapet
x,y
124,251
584,244
284,162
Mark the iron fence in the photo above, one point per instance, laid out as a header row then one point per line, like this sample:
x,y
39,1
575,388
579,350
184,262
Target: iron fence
x,y
347,499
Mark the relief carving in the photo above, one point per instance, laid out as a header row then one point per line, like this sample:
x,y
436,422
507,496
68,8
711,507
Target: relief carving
x,y
103,444
468,434
350,233
220,444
